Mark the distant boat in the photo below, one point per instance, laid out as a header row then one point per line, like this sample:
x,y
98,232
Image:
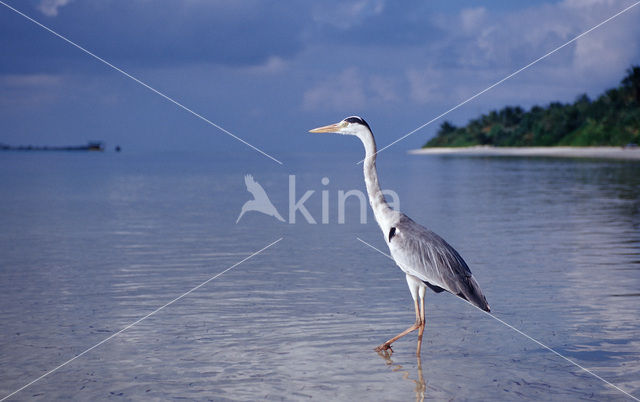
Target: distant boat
x,y
91,146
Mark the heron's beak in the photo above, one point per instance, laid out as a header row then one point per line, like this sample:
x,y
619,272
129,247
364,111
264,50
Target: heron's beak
x,y
331,128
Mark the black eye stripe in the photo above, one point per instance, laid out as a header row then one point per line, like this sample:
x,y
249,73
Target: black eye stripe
x,y
358,120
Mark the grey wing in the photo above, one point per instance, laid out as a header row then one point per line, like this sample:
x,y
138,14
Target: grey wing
x,y
425,255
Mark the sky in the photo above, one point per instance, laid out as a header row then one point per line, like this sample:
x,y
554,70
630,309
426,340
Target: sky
x,y
268,71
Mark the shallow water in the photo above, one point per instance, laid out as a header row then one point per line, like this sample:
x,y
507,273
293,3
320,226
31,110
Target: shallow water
x,y
90,243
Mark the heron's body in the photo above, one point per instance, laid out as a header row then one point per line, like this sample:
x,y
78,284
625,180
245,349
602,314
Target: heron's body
x,y
424,255
426,259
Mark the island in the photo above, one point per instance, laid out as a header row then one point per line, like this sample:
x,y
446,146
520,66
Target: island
x,y
91,146
586,127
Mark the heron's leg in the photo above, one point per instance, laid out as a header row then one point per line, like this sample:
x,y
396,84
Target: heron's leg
x,y
416,325
422,320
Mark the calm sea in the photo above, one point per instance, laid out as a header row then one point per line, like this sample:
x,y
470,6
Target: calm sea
x,y
91,242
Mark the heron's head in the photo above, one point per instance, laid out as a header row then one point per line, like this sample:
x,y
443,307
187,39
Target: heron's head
x,y
352,125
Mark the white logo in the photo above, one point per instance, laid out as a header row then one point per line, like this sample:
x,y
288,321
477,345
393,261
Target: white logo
x,y
260,202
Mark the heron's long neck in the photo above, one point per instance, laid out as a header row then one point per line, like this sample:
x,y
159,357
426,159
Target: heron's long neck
x,y
381,209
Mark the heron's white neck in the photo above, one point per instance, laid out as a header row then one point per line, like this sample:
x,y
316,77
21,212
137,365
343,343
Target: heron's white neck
x,y
381,209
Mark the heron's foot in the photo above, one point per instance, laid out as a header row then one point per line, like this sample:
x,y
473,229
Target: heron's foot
x,y
384,347
386,355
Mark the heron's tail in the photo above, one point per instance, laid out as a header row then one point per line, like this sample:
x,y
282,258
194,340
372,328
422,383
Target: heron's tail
x,y
473,294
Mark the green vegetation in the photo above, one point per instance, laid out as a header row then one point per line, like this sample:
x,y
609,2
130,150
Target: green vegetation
x,y
612,119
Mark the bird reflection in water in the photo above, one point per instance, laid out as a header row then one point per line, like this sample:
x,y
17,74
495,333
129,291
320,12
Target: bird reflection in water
x,y
420,385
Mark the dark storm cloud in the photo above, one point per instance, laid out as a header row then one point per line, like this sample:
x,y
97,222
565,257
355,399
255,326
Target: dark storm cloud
x,y
149,33
370,23
253,63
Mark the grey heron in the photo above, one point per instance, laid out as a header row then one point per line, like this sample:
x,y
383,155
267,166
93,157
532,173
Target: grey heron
x,y
427,260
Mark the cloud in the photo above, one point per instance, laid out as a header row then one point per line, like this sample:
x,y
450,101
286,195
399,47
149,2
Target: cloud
x,y
383,88
425,84
351,89
472,18
605,51
273,65
480,47
369,23
342,92
345,15
30,80
50,7
29,90
139,33
401,61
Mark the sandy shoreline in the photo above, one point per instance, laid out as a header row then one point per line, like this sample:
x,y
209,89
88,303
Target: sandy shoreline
x,y
560,152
